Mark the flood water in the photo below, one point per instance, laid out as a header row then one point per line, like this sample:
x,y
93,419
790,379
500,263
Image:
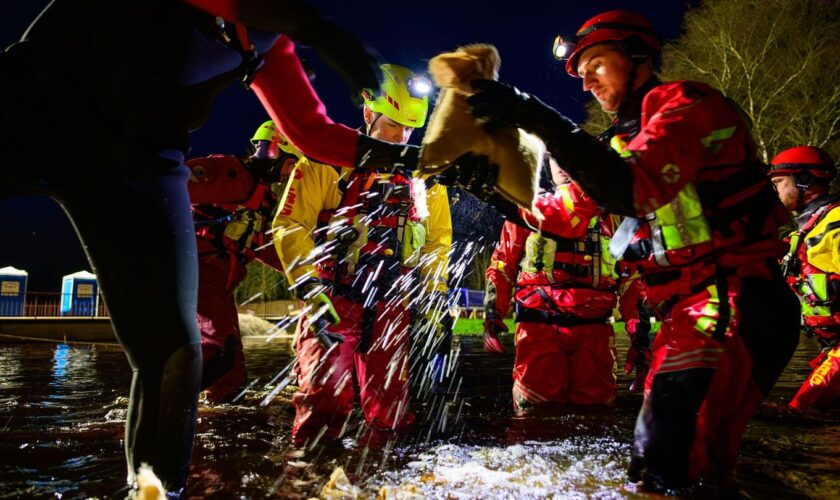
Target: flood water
x,y
62,410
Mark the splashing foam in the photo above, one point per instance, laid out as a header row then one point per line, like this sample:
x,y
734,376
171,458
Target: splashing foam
x,y
578,467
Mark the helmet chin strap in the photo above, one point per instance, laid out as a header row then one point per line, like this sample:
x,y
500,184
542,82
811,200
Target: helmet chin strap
x,y
802,184
369,126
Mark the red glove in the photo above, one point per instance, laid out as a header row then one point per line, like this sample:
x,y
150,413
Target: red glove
x,y
492,326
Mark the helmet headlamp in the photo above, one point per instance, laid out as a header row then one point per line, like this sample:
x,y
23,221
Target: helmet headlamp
x,y
419,87
563,47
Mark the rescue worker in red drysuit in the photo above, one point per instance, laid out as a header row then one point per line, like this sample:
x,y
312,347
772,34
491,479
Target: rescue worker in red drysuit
x,y
350,242
802,176
564,294
702,226
233,201
129,81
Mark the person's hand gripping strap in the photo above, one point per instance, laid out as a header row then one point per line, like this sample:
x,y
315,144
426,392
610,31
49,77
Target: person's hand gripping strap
x,y
320,313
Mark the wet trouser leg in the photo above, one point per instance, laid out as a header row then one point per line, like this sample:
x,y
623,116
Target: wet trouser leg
x,y
542,366
558,364
383,370
224,373
707,378
324,399
821,390
593,365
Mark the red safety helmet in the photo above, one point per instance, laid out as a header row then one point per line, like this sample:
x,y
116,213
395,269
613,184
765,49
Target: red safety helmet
x,y
633,31
803,159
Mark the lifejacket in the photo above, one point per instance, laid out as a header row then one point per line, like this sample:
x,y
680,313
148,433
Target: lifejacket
x,y
374,237
236,227
550,259
565,280
818,291
725,205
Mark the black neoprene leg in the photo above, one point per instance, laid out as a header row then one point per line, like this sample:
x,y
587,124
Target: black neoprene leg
x,y
138,233
666,426
770,315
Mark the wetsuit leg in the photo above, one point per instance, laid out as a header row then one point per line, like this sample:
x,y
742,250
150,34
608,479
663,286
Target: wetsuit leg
x,y
707,379
766,336
137,230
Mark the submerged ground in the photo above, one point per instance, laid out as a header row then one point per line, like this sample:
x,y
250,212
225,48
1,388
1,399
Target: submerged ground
x,y
62,409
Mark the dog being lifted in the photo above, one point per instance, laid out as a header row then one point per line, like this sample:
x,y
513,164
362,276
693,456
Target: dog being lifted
x,y
453,130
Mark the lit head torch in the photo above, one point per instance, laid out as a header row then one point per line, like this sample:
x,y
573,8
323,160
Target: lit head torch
x,y
563,47
419,87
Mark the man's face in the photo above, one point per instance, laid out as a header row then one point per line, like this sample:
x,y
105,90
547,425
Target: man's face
x,y
605,71
786,189
558,175
386,129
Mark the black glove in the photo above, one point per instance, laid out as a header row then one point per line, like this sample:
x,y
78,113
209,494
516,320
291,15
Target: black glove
x,y
324,336
474,173
595,167
385,156
477,176
356,63
638,358
500,105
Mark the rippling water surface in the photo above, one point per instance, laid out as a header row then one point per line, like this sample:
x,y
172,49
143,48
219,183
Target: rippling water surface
x,y
62,410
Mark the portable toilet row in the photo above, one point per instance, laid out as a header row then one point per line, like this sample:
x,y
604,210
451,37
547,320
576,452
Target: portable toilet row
x,y
12,291
79,294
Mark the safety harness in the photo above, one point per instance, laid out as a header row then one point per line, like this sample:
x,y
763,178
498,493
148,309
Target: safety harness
x,y
546,252
818,292
236,229
376,235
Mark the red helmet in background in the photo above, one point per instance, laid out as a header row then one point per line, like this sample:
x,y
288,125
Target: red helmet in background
x,y
804,159
631,30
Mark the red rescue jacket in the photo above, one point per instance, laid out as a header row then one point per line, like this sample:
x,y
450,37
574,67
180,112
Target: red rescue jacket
x,y
698,187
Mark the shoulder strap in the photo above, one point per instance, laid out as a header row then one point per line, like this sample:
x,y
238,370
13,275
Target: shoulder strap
x,y
796,238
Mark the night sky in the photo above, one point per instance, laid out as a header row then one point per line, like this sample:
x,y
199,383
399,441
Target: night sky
x,y
37,237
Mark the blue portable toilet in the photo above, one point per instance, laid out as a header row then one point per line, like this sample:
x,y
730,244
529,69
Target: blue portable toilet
x,y
12,291
469,298
79,294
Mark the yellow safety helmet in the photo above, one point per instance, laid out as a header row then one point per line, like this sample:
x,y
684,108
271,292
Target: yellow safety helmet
x,y
268,132
404,97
